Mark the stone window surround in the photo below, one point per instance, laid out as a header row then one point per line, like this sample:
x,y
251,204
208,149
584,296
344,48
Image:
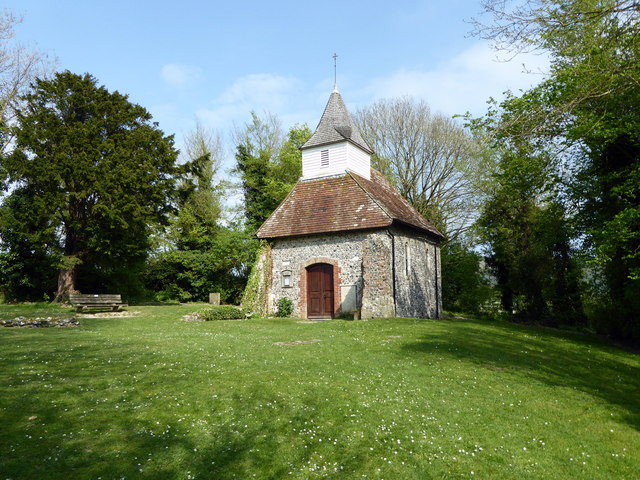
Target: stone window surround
x,y
302,284
286,274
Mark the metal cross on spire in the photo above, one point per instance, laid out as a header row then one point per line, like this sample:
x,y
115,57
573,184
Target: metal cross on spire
x,y
335,74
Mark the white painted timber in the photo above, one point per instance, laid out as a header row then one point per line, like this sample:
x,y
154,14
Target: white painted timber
x,y
358,161
343,156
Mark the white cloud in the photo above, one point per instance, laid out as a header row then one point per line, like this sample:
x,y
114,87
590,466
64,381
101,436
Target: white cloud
x,y
465,82
256,92
180,76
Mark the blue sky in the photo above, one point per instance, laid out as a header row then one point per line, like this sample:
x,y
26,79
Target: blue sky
x,y
217,61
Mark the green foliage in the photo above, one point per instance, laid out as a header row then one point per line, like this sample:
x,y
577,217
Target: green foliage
x,y
253,170
199,196
268,166
583,119
611,217
92,172
286,168
222,312
197,219
285,307
255,296
196,255
190,275
466,286
528,239
27,266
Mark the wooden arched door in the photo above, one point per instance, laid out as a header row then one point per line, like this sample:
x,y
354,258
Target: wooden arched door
x,y
320,291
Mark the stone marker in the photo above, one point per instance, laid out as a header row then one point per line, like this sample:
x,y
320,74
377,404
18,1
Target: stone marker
x,y
214,298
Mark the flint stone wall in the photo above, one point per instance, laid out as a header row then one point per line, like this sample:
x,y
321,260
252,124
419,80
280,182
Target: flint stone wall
x,y
344,250
365,261
418,280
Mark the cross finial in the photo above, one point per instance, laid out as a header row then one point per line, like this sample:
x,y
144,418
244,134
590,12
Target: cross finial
x,y
335,70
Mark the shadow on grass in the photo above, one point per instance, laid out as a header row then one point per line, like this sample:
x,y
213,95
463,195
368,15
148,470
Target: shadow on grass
x,y
87,411
126,445
548,356
123,447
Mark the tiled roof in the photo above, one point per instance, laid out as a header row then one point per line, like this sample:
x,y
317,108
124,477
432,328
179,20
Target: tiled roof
x,y
336,125
396,206
342,203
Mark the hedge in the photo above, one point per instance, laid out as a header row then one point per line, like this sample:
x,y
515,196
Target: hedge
x,y
223,312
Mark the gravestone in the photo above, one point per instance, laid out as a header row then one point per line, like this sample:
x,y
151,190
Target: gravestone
x,y
348,298
214,298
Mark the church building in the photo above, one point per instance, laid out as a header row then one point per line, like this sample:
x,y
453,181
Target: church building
x,y
344,240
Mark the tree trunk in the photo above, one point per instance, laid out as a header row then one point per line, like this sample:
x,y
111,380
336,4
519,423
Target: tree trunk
x,y
66,284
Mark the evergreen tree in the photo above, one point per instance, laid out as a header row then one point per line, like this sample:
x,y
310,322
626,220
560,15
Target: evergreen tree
x,y
268,165
199,192
92,168
203,254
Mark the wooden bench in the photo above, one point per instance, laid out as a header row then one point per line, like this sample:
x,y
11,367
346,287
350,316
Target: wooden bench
x,y
83,301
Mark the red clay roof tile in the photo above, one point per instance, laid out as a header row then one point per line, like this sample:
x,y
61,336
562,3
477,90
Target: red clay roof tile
x,y
344,203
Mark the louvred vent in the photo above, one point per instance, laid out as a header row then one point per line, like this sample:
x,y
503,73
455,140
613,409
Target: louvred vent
x,y
324,158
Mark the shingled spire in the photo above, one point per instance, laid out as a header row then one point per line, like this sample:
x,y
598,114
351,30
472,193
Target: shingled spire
x,y
337,145
336,125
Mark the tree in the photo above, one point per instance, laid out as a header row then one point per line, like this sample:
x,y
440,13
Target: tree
x,y
27,266
199,204
203,253
528,239
434,163
286,168
466,283
268,164
18,68
189,275
584,116
96,174
257,145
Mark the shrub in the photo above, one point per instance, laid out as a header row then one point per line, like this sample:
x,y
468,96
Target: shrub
x,y
285,307
223,312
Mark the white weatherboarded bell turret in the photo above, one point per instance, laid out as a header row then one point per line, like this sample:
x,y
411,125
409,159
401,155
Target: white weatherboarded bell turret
x,y
336,146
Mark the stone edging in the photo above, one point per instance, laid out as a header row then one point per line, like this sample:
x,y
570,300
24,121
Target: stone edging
x,y
24,322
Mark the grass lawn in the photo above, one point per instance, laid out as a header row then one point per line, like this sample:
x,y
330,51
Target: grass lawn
x,y
154,397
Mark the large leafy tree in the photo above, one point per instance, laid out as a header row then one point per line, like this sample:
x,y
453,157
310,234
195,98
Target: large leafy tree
x,y
528,238
584,117
93,174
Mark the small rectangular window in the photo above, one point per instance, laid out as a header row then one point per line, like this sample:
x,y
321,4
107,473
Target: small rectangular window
x,y
324,158
407,259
